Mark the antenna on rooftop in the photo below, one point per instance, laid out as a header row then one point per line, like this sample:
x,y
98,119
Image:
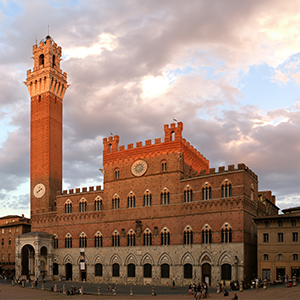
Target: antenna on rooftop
x,y
36,39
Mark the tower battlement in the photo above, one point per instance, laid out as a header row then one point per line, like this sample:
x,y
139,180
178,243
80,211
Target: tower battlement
x,y
46,75
173,142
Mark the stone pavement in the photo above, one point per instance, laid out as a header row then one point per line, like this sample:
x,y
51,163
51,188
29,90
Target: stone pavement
x,y
16,292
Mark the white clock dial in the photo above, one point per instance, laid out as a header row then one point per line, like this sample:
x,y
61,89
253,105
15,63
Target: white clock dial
x,y
39,190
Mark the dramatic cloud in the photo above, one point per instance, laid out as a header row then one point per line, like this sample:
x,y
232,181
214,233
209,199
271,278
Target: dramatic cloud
x,y
227,69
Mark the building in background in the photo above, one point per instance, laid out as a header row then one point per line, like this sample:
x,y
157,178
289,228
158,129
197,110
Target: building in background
x,y
278,245
10,226
162,215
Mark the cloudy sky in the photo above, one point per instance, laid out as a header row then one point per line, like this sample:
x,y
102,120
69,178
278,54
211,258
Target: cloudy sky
x,y
229,70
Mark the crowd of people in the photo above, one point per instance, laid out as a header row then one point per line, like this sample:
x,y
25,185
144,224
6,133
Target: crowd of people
x,y
199,290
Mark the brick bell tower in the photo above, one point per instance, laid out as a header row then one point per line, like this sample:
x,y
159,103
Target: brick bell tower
x,y
47,85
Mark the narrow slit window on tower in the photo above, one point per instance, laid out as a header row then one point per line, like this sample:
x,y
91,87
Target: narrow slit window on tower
x,y
42,60
40,98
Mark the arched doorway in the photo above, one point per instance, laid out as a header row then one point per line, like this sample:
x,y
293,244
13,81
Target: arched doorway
x,y
44,268
69,271
206,273
28,261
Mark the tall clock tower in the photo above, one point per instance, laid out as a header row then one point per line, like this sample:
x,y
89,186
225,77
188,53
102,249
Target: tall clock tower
x,y
47,85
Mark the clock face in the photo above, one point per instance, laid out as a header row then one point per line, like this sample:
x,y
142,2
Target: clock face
x,y
39,190
139,167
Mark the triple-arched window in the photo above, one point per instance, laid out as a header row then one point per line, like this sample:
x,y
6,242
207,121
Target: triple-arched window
x,y
98,239
226,233
68,207
98,204
206,192
82,240
165,196
83,205
147,237
131,200
147,198
188,194
165,236
116,202
188,235
116,239
131,238
68,241
226,189
206,234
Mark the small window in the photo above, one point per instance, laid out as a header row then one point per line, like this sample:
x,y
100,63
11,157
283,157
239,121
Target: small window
x,y
267,224
9,230
280,237
164,166
280,223
9,241
266,238
117,174
280,257
295,236
2,242
293,223
266,257
295,256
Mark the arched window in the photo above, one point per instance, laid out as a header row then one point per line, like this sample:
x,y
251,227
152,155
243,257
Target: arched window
x,y
226,272
266,257
116,202
55,241
206,234
165,236
82,240
147,237
117,174
147,198
131,238
165,196
131,270
188,271
83,205
131,200
98,239
116,239
98,269
206,192
226,189
226,233
98,204
165,271
188,236
115,270
68,241
188,194
147,271
68,207
164,166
